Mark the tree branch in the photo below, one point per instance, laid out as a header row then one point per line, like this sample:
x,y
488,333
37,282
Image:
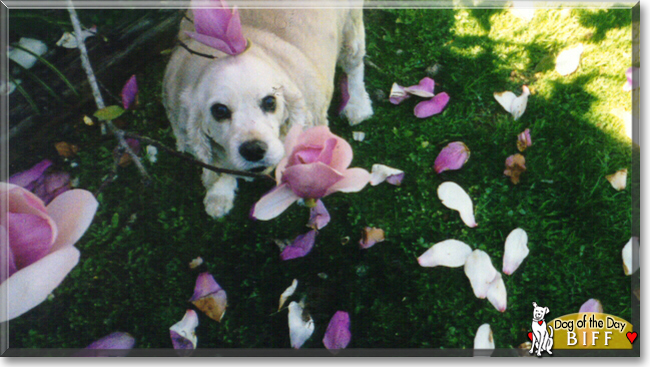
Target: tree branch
x,y
99,101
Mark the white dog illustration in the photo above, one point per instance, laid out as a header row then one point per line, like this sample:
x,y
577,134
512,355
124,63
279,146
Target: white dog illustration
x,y
541,337
234,111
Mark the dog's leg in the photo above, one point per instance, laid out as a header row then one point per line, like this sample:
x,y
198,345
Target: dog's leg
x,y
220,197
359,106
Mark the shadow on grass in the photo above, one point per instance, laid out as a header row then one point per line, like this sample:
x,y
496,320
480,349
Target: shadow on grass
x,y
603,21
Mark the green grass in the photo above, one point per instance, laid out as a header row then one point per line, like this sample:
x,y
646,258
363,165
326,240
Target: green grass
x,y
133,274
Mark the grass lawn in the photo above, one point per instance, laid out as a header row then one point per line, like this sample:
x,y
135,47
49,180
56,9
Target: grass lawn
x,y
133,275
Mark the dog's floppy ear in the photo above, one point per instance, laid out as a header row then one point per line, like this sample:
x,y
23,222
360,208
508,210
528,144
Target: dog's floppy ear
x,y
297,113
546,309
534,304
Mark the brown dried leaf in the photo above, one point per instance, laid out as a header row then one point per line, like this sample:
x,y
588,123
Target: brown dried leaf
x,y
66,150
371,236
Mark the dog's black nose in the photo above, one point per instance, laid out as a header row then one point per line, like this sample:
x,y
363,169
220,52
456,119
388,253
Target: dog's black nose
x,y
253,150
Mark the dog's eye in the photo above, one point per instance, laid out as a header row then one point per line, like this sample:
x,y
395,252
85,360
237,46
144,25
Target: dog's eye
x,y
268,104
220,112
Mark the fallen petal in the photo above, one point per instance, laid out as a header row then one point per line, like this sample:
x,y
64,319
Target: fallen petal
x,y
209,297
288,293
301,325
152,153
318,216
497,294
480,272
338,335
26,178
629,265
618,179
358,135
26,59
371,236
381,173
182,333
345,93
300,247
513,104
432,106
129,92
483,338
592,305
568,60
397,94
516,250
196,262
454,197
449,253
515,166
523,140
115,340
423,89
452,157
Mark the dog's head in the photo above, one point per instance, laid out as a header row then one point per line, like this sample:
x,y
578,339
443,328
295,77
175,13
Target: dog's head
x,y
231,111
539,312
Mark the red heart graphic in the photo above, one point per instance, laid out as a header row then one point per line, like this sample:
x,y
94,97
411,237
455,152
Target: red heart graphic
x,y
530,336
540,322
631,336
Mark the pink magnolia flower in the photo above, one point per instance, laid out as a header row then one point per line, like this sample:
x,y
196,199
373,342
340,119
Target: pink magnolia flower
x,y
129,92
218,27
452,157
46,184
40,249
316,166
523,140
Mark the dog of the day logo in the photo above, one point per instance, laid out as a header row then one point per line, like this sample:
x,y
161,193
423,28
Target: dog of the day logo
x,y
586,330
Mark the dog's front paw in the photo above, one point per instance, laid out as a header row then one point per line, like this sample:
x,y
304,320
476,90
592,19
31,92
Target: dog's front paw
x,y
358,109
218,205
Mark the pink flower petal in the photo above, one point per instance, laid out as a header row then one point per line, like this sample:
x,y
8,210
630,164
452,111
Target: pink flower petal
x,y
452,157
432,107
115,340
72,211
311,180
300,247
5,249
523,140
129,92
218,28
423,89
30,238
318,135
182,333
338,335
27,178
274,203
395,179
592,305
24,293
318,216
209,297
398,94
354,180
345,93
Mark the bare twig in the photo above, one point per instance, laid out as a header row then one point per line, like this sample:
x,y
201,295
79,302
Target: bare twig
x,y
157,144
85,62
185,46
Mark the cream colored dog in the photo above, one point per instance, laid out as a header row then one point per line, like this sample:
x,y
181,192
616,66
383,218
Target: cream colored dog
x,y
233,111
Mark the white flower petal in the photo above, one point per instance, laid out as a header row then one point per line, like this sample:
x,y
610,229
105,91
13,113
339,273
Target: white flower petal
x,y
25,59
380,173
484,338
497,294
152,153
185,328
516,250
301,325
358,135
449,253
288,293
454,197
30,286
480,272
568,60
513,104
618,179
629,265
